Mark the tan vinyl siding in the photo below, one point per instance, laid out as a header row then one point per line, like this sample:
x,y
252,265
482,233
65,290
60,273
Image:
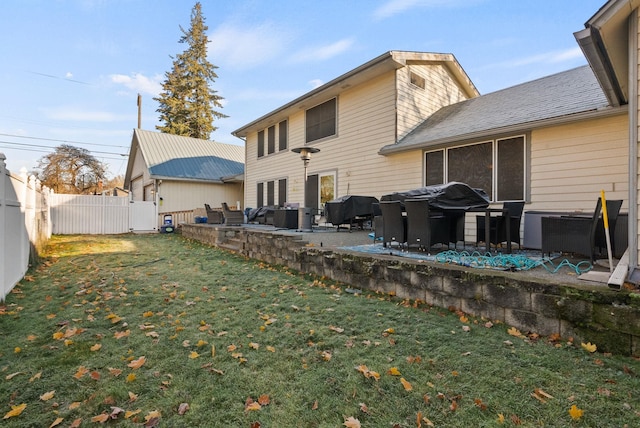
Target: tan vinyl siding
x,y
570,164
416,104
140,177
366,122
183,195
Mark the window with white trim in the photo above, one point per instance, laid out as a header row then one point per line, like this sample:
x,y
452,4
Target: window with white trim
x,y
320,121
497,166
273,139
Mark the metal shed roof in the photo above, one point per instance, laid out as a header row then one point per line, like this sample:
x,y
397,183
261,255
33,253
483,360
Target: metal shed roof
x,y
176,157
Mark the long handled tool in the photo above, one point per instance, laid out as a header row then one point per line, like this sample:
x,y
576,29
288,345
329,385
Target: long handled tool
x,y
605,220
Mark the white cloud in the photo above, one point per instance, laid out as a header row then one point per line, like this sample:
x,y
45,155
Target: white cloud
x,y
395,7
139,82
321,53
316,83
244,47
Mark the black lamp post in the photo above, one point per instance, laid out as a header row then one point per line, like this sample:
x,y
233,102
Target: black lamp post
x,y
304,213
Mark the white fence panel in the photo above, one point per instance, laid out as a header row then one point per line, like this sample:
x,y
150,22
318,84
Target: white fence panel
x,y
89,214
24,225
143,216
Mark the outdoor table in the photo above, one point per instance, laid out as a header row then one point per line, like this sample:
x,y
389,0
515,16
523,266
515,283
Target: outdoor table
x,y
487,225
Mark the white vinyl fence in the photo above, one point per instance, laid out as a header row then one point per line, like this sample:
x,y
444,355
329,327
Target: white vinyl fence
x,y
24,224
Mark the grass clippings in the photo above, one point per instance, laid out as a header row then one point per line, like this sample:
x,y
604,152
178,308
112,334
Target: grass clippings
x,y
157,330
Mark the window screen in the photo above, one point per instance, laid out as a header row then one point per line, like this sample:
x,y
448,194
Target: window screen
x,y
260,144
434,164
321,121
511,169
472,165
260,194
282,191
270,192
282,135
271,139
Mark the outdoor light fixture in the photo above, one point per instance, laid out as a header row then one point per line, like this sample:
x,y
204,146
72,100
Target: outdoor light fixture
x,y
304,213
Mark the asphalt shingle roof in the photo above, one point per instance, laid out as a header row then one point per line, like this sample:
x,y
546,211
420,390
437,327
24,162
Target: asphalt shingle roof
x,y
173,156
562,94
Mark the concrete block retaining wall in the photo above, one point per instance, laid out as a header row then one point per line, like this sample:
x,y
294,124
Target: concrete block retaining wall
x,y
609,318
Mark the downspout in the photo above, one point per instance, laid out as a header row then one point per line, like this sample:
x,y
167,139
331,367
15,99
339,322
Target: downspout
x,y
633,141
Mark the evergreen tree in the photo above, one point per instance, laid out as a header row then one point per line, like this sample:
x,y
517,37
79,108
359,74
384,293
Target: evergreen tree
x,y
187,102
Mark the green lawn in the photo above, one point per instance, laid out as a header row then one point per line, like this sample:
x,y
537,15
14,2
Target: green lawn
x,y
156,330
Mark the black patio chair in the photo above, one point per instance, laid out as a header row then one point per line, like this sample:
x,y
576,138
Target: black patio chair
x,y
575,234
424,227
393,224
378,226
498,225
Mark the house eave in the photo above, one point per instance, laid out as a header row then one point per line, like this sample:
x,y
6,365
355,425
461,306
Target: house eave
x,y
186,179
505,130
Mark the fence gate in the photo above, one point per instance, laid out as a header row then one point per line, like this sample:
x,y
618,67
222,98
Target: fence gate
x,y
100,215
142,216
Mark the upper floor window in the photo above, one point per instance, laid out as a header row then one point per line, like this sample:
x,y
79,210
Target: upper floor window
x,y
417,80
473,164
321,120
267,139
260,144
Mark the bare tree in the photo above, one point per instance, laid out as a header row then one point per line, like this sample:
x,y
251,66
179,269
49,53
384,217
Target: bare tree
x,y
71,169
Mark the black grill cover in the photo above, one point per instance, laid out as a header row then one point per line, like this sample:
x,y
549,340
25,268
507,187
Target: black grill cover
x,y
453,195
345,208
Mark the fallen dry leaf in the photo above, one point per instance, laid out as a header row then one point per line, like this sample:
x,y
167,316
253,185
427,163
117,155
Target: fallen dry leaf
x,y
182,408
57,422
96,347
15,411
407,386
351,422
575,412
393,371
48,395
12,375
101,418
76,423
589,347
82,370
136,364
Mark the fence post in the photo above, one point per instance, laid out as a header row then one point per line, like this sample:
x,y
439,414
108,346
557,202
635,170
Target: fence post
x,y
3,227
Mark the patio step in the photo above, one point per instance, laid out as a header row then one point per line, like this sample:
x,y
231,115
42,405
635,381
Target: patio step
x,y
232,244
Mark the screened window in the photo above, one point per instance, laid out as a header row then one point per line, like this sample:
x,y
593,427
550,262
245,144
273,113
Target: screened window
x,y
271,139
511,166
282,191
474,165
321,121
260,201
260,144
435,168
270,193
282,135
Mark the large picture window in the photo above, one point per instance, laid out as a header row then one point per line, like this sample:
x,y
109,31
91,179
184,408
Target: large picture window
x,y
498,167
321,121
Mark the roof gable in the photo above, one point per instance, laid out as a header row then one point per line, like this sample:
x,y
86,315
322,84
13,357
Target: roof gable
x,y
560,95
176,157
392,60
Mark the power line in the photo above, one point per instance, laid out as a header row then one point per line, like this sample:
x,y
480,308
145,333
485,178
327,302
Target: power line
x,y
51,148
56,140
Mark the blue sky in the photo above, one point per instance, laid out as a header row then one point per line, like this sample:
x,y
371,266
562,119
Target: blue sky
x,y
71,69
